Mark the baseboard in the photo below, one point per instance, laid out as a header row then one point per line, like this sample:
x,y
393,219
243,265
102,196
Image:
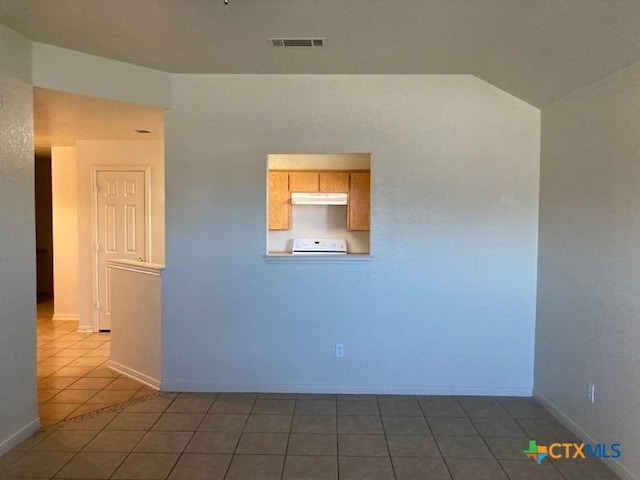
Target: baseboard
x,y
66,317
20,436
86,329
182,386
136,375
567,421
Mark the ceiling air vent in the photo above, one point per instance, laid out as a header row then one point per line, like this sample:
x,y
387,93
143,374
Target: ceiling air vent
x,y
297,42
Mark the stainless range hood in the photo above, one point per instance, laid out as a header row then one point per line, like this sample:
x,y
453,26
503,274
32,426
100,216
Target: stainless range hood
x,y
315,198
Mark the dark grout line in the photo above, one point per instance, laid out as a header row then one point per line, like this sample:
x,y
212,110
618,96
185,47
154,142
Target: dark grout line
x,y
338,439
286,449
192,433
235,449
446,465
386,441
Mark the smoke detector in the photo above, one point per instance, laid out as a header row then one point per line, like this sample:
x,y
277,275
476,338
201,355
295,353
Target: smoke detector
x,y
298,42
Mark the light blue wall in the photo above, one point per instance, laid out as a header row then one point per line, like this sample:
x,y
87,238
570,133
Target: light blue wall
x,y
588,327
448,303
18,409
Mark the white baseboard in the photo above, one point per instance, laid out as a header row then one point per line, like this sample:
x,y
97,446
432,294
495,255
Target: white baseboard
x,y
136,375
182,386
66,317
19,436
86,329
567,421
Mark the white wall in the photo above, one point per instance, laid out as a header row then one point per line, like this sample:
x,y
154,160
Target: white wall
x,y
92,153
15,55
136,312
448,303
19,415
64,178
76,72
589,267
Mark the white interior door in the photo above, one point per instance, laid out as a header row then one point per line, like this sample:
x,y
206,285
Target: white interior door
x,y
121,229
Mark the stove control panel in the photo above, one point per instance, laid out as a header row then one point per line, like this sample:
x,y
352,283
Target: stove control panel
x,y
310,246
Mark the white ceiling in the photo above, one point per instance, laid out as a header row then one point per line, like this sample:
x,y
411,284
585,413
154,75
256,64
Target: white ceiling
x,y
539,50
62,118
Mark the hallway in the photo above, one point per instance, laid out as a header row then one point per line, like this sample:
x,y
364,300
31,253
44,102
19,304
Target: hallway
x,y
73,377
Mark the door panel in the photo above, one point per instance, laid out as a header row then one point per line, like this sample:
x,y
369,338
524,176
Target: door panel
x,y
121,229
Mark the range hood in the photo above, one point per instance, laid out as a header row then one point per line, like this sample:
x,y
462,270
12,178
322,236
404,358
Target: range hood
x,y
315,198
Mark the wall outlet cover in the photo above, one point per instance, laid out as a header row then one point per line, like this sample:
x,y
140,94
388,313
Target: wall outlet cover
x,y
591,392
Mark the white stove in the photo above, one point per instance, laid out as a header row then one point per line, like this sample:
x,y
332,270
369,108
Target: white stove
x,y
319,246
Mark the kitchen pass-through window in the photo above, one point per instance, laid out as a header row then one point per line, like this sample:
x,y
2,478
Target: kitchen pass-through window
x,y
319,203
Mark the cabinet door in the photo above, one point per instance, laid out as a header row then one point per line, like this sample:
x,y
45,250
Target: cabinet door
x,y
303,181
334,182
279,205
359,193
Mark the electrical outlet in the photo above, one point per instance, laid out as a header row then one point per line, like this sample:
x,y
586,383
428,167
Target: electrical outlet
x,y
591,392
339,350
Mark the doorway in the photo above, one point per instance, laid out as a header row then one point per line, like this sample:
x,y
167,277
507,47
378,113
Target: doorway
x,y
85,134
44,229
80,136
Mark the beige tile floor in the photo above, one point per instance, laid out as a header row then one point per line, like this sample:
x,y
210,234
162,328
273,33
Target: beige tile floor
x,y
72,374
284,436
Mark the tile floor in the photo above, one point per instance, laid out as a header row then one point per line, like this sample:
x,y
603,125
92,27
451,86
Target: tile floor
x,y
72,375
271,436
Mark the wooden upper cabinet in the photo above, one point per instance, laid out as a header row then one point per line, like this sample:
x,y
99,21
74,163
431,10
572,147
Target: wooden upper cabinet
x,y
279,204
359,210
334,182
303,181
356,184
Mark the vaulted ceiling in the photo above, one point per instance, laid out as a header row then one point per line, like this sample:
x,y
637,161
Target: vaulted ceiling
x,y
538,50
